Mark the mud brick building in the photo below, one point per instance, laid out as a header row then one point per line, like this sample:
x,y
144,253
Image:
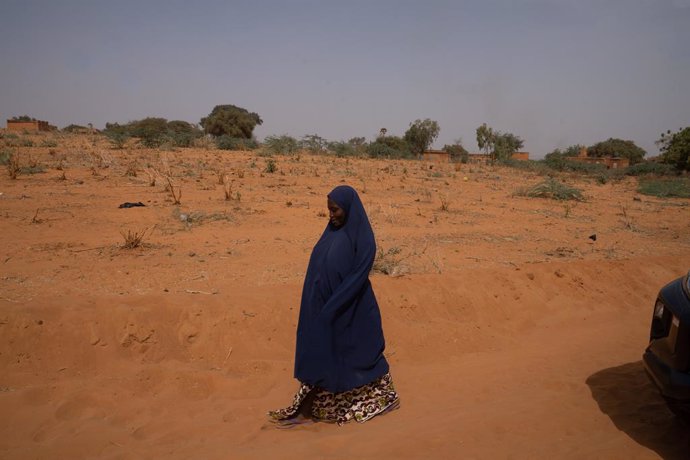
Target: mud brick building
x,y
34,125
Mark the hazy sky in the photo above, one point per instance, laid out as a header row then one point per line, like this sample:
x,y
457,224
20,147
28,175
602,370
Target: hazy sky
x,y
554,72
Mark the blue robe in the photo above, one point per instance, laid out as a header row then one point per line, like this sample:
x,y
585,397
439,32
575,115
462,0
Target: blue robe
x,y
339,336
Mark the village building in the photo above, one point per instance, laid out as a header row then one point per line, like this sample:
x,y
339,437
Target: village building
x,y
608,161
436,155
32,125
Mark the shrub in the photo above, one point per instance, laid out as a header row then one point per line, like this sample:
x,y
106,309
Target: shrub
x,y
649,168
75,129
560,163
342,149
389,147
666,188
552,189
313,143
270,166
5,155
539,167
235,143
281,144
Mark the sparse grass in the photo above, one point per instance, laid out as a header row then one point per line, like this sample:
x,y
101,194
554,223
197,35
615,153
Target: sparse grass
x,y
175,195
552,189
131,170
5,155
627,221
133,239
33,166
152,175
445,203
386,262
271,166
227,188
665,188
49,143
13,166
191,218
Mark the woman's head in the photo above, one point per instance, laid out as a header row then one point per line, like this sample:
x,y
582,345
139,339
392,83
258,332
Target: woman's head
x,y
340,204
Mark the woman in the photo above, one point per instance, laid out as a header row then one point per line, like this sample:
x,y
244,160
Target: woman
x,y
339,357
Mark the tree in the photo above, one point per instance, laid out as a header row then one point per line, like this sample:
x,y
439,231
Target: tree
x,y
505,144
23,118
457,151
232,121
313,143
485,139
617,148
389,147
499,146
675,148
421,135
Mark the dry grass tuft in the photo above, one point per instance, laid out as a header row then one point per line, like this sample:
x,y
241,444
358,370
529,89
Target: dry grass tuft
x,y
13,166
133,239
175,195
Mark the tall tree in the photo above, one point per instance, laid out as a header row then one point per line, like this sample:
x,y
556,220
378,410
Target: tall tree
x,y
232,121
613,147
485,139
505,144
675,148
499,146
421,134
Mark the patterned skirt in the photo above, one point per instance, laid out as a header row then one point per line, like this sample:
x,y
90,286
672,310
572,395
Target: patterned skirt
x,y
359,404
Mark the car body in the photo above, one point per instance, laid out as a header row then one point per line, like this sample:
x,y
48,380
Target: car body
x,y
667,358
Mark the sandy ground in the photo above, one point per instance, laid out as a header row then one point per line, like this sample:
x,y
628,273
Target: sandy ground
x,y
510,333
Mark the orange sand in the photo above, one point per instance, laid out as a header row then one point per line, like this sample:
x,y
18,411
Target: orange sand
x,y
510,333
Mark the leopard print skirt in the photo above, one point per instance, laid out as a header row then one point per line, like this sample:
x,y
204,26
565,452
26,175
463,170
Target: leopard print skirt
x,y
359,404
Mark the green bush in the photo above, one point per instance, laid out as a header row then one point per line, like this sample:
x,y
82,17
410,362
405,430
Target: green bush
x,y
153,132
665,188
539,167
5,155
650,168
562,163
342,149
552,189
281,144
389,147
235,143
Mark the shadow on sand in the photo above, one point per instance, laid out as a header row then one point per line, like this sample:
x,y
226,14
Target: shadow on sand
x,y
626,395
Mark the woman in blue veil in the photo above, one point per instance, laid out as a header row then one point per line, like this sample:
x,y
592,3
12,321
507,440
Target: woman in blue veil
x,y
339,358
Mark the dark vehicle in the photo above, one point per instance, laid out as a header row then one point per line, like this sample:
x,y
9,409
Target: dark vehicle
x,y
667,358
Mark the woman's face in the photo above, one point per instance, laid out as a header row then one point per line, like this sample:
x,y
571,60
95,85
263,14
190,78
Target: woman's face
x,y
335,214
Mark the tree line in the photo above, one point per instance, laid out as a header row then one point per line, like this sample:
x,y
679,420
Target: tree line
x,y
232,128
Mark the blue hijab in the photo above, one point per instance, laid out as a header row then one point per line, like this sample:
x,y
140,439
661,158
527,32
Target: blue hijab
x,y
339,336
